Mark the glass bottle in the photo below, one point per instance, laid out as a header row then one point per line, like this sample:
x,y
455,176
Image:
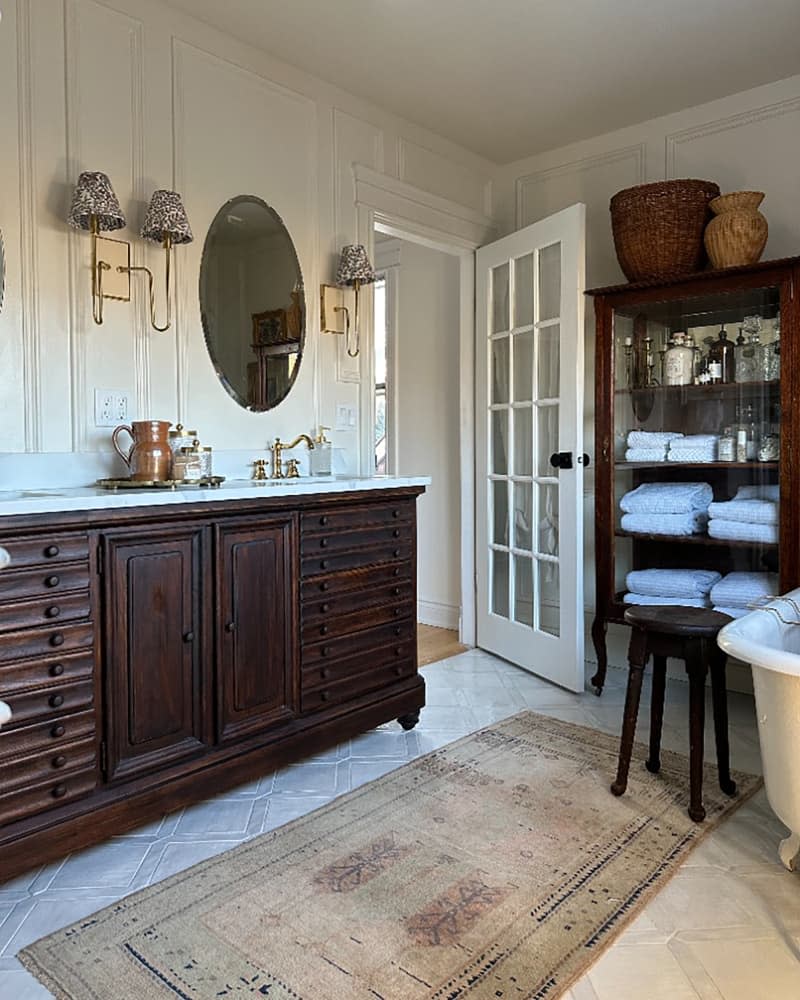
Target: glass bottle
x,y
747,436
721,353
187,464
727,446
679,361
747,354
771,355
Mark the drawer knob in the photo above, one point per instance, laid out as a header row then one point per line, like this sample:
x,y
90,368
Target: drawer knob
x,y
230,626
323,696
395,513
57,639
396,553
324,586
324,608
52,612
397,630
57,670
57,731
188,636
324,629
396,533
51,551
59,791
51,581
59,761
324,519
396,571
56,700
325,673
323,543
398,670
396,591
323,564
325,651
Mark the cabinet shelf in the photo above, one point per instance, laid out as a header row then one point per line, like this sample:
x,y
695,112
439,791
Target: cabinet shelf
x,y
625,466
728,543
718,390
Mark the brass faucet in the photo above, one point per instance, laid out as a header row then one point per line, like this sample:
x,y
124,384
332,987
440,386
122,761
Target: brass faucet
x,y
277,450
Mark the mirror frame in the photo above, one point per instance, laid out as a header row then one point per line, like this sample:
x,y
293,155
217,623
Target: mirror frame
x,y
2,270
223,379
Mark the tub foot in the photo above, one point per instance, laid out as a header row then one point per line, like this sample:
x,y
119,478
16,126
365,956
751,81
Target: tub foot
x,y
789,852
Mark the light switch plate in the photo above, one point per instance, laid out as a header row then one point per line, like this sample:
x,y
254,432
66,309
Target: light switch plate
x,y
346,419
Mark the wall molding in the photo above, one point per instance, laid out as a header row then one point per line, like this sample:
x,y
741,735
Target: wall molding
x,y
29,235
525,184
404,145
141,315
181,335
437,615
725,124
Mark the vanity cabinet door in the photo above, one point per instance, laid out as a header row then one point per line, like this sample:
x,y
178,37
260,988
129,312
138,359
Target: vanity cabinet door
x,y
257,682
156,660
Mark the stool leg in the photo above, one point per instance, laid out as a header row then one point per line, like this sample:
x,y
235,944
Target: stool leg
x,y
653,763
719,700
696,669
637,658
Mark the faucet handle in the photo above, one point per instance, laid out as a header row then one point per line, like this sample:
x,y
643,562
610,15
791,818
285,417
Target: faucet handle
x,y
292,470
260,469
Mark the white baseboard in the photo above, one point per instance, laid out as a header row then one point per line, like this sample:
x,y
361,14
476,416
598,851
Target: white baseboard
x,y
437,615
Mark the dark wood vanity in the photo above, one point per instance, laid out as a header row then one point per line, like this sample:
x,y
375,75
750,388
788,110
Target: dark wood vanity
x,y
156,655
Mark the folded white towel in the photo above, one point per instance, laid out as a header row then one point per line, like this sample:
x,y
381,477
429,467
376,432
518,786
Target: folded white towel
x,y
704,454
667,498
718,527
763,491
646,455
672,582
651,439
694,441
732,612
749,511
745,590
672,602
691,523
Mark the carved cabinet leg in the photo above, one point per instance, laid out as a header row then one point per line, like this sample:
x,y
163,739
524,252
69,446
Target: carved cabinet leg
x,y
410,720
599,627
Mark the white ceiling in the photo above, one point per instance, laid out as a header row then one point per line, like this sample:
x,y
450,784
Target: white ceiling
x,y
510,78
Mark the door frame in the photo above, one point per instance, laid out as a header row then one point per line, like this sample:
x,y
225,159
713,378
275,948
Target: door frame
x,y
402,210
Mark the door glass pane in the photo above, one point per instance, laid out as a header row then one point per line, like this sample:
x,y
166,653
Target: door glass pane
x,y
523,367
500,583
500,366
523,590
523,441
548,362
523,516
500,442
523,290
500,497
548,519
547,439
550,282
500,311
548,595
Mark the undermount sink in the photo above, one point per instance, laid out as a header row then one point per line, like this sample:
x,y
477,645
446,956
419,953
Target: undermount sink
x,y
267,483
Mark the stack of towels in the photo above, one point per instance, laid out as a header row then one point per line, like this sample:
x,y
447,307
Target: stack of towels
x,y
666,509
649,446
738,593
688,588
694,448
751,516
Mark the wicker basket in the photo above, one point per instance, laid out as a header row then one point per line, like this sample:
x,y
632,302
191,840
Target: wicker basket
x,y
658,228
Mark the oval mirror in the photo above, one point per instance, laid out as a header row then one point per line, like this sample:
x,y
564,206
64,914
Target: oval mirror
x,y
252,303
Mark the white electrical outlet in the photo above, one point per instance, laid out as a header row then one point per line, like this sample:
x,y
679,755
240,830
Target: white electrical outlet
x,y
345,417
111,407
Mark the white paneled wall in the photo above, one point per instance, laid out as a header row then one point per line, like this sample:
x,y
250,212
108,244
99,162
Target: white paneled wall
x,y
156,99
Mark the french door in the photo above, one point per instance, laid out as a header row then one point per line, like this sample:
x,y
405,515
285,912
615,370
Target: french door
x,y
529,437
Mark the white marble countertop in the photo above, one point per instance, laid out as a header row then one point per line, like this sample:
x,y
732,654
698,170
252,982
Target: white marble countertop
x,y
55,499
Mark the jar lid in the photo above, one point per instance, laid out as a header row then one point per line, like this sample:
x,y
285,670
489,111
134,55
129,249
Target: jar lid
x,y
189,451
181,433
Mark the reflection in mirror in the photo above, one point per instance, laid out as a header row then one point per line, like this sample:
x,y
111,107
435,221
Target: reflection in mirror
x,y
252,303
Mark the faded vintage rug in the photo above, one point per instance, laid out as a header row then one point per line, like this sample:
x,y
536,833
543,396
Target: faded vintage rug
x,y
497,867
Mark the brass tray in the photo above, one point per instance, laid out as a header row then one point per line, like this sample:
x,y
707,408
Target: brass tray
x,y
159,484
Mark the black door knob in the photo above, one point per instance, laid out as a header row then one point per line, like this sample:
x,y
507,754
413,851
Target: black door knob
x,y
584,460
561,460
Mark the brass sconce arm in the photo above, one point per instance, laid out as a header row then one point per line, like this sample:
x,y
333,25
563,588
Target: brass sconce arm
x,y
168,248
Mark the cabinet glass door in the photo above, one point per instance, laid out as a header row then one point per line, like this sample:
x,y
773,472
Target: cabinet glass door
x,y
696,450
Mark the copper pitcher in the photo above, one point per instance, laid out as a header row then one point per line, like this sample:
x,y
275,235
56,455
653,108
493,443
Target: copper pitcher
x,y
149,457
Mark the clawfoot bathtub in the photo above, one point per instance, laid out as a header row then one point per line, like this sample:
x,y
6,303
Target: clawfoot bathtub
x,y
769,639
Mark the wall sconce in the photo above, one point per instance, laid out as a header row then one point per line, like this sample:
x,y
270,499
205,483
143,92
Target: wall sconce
x,y
95,207
354,271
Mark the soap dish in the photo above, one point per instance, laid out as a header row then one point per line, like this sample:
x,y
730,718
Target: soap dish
x,y
160,484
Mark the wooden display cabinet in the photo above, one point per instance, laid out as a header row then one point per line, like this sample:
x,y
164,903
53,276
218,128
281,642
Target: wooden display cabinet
x,y
629,396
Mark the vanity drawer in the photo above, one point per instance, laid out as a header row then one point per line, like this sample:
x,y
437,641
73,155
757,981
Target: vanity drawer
x,y
47,703
359,538
40,673
45,641
335,625
314,522
45,611
47,736
324,607
389,552
359,579
52,764
49,795
324,674
46,550
368,639
357,684
43,581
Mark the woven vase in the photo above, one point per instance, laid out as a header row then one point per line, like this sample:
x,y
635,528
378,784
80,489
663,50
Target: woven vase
x,y
738,233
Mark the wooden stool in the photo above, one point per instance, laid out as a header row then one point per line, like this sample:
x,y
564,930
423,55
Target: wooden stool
x,y
688,634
